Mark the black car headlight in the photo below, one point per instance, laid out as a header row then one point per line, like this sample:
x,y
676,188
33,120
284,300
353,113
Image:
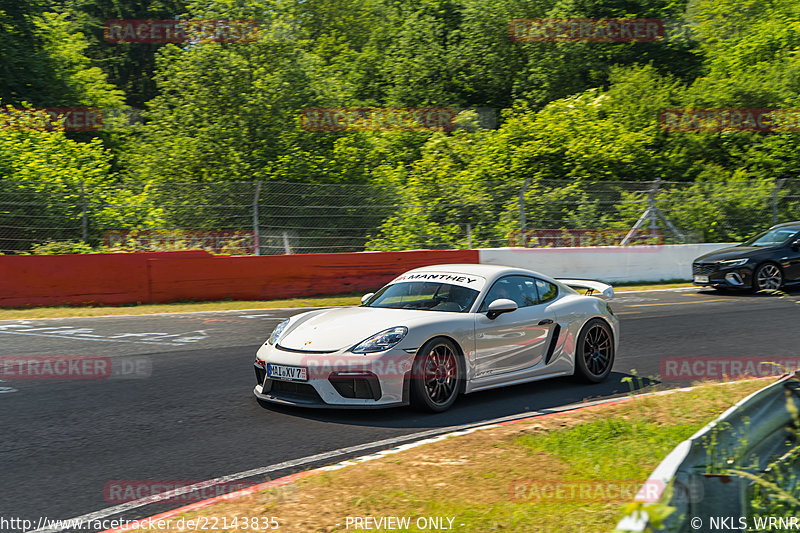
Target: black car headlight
x,y
381,341
730,263
277,331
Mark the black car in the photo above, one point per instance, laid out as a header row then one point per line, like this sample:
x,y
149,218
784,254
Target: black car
x,y
769,260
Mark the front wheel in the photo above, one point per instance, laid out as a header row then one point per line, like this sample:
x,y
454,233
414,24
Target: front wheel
x,y
436,376
594,351
767,277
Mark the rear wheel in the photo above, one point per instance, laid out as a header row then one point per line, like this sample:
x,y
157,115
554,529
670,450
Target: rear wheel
x,y
767,277
436,376
594,351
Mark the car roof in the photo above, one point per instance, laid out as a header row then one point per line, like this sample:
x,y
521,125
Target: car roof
x,y
490,272
791,225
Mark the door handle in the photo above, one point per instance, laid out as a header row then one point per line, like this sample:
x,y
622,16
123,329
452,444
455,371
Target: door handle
x,y
545,322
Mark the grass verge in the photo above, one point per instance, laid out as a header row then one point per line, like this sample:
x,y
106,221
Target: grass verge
x,y
227,305
525,477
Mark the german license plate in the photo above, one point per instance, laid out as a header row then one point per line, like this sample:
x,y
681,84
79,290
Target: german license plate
x,y
287,373
701,279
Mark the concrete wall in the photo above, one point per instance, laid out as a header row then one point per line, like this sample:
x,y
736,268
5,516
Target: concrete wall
x,y
606,263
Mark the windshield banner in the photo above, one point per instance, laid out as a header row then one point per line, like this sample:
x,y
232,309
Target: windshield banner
x,y
470,281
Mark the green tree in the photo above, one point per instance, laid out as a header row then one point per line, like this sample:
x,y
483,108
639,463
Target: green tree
x,y
45,179
128,66
44,61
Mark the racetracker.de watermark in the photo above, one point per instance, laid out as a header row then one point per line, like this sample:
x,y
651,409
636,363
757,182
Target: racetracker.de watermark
x,y
180,31
645,240
388,367
378,118
701,368
217,240
51,118
730,119
609,490
586,30
38,367
169,491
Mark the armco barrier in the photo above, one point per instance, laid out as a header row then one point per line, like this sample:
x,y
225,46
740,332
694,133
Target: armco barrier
x,y
116,279
705,472
286,276
607,263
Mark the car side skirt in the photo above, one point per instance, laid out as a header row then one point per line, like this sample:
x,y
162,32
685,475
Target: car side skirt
x,y
504,380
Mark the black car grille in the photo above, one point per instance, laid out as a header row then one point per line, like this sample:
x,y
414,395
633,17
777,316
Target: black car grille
x,y
364,386
703,269
301,392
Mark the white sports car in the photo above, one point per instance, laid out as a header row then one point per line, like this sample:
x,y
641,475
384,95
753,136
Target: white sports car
x,y
436,332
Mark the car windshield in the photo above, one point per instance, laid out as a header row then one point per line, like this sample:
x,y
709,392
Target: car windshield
x,y
772,237
425,296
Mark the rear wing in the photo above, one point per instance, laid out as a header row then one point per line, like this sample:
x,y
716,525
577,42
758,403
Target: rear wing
x,y
590,286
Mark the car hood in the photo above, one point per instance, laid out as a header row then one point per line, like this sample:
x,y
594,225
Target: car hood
x,y
733,252
335,329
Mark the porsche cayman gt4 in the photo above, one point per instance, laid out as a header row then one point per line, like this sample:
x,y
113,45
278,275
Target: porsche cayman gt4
x,y
436,332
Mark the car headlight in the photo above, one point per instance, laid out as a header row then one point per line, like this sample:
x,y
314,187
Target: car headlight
x,y
382,341
730,263
277,331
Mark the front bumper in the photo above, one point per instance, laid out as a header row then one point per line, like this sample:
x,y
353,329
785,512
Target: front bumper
x,y
712,275
338,379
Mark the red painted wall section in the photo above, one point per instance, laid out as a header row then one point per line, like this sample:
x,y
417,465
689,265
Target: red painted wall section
x,y
113,279
287,276
116,279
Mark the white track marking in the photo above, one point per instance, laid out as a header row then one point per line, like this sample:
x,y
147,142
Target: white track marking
x,y
674,289
626,299
390,443
7,390
71,332
82,338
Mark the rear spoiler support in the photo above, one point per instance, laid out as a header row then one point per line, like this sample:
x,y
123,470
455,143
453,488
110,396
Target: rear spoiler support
x,y
591,286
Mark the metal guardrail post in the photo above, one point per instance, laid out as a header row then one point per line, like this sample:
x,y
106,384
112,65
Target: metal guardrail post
x,y
84,217
256,233
522,192
649,214
652,214
775,191
286,248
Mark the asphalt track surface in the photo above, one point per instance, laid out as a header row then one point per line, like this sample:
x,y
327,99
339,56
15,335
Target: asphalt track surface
x,y
191,416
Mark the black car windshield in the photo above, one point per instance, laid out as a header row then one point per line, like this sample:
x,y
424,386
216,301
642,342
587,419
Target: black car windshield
x,y
424,295
772,237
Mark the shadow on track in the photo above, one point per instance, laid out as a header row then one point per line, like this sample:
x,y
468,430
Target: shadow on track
x,y
478,406
745,293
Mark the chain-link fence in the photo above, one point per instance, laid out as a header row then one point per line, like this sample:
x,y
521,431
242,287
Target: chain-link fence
x,y
278,218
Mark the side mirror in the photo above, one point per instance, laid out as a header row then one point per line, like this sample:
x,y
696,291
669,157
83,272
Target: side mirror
x,y
366,297
796,245
498,307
